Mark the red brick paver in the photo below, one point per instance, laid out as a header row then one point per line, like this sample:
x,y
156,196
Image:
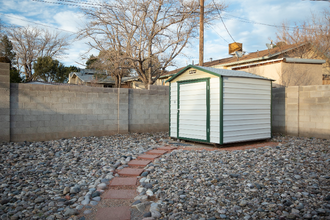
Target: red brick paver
x,y
130,172
157,152
114,213
148,156
120,194
123,181
139,163
168,148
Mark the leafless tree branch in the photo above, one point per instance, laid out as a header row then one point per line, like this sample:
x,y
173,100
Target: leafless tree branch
x,y
29,43
147,34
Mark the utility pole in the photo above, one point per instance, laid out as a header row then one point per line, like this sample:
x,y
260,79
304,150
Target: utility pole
x,y
201,34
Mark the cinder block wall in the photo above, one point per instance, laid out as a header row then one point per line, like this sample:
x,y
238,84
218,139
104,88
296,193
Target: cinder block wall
x,y
4,102
149,109
302,111
46,112
31,112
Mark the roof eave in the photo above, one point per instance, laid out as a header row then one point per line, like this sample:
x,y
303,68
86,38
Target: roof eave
x,y
192,66
298,60
259,58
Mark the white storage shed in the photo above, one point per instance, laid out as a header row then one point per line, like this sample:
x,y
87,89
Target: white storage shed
x,y
219,106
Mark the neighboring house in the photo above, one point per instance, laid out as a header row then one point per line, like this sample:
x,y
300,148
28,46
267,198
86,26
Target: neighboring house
x,y
49,83
326,79
283,64
96,78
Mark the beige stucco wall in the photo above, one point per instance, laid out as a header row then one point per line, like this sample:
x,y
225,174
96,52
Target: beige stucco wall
x,y
271,71
301,74
289,74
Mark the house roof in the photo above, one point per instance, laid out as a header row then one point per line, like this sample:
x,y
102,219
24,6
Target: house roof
x,y
220,72
49,83
88,76
251,57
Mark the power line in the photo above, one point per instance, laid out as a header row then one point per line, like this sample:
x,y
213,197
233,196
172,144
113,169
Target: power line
x,y
223,21
81,2
71,3
37,23
217,33
259,23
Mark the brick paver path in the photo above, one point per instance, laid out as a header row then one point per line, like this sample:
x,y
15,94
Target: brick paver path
x,y
147,157
128,179
120,194
130,172
114,213
123,181
116,184
157,152
139,163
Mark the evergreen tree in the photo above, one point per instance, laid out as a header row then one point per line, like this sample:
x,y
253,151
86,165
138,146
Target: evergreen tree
x,y
6,49
8,56
15,76
49,70
89,63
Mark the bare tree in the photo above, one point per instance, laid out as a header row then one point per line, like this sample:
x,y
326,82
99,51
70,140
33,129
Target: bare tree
x,y
113,64
315,34
146,34
31,42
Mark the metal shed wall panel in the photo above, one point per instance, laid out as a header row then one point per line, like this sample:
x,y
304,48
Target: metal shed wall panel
x,y
173,110
193,110
246,109
215,110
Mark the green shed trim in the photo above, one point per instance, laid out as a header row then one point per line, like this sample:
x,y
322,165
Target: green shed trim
x,y
207,80
193,80
177,110
271,109
220,72
193,140
221,109
191,66
208,117
169,108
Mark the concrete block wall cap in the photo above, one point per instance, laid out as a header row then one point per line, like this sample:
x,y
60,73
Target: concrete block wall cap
x,y
4,66
14,85
24,86
123,90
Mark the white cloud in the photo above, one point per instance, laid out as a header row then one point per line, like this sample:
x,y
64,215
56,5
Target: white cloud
x,y
252,35
70,20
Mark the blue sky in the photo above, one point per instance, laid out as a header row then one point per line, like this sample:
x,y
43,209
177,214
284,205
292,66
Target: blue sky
x,y
242,18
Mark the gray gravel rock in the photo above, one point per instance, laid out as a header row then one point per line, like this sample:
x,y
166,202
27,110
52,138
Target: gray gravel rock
x,y
53,179
288,181
69,212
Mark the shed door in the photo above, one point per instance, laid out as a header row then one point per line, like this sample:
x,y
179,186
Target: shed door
x,y
193,110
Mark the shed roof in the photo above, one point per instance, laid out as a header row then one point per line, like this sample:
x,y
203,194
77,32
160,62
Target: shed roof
x,y
220,72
